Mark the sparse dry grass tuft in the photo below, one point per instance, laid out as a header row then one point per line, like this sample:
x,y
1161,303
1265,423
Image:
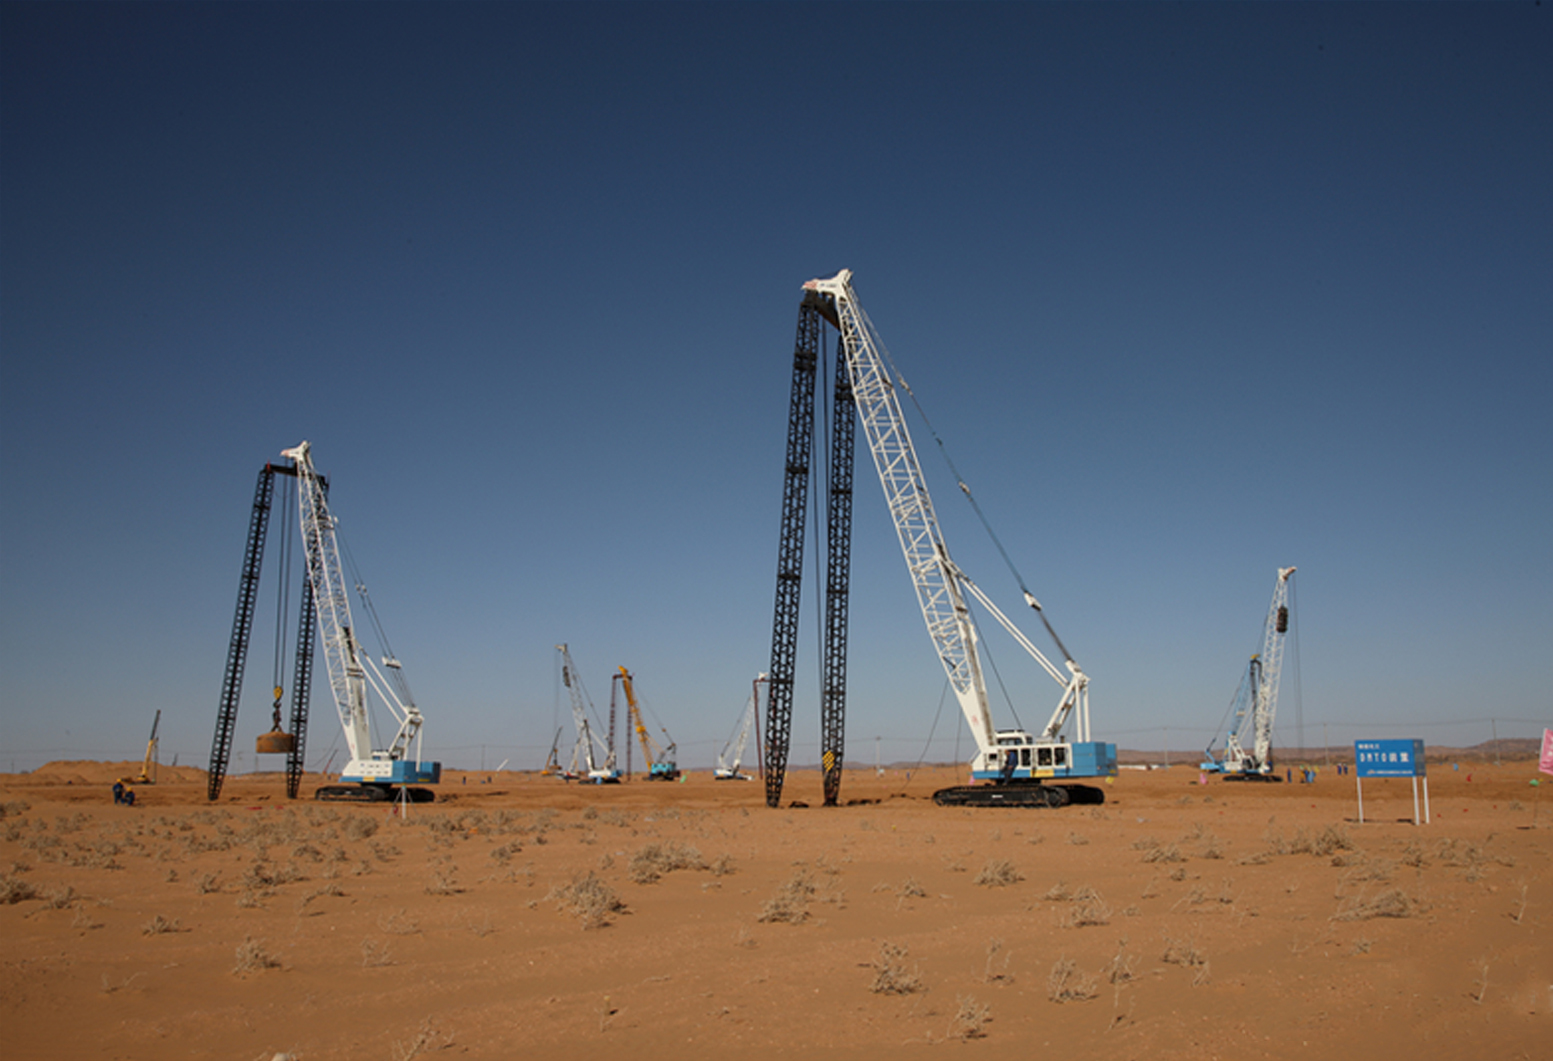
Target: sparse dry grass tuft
x,y
589,898
252,957
159,925
996,970
970,1020
1066,983
1185,952
14,889
1393,902
790,905
650,863
891,977
998,873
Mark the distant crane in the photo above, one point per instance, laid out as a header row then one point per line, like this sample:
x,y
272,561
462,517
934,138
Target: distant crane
x,y
552,763
661,762
148,771
1256,701
732,755
592,759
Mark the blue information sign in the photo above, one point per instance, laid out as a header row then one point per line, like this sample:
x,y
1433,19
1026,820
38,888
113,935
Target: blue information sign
x,y
1389,758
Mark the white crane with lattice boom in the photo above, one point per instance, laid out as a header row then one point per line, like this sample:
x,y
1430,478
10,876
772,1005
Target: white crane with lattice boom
x,y
1013,766
732,756
371,774
1255,706
593,758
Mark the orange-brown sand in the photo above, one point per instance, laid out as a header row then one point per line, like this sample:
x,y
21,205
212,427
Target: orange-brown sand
x,y
531,918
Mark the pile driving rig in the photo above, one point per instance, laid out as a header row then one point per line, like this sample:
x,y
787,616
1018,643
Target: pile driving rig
x,y
732,756
662,763
371,775
1012,767
593,760
1256,701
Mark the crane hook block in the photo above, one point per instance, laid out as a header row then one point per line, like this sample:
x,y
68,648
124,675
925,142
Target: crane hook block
x,y
1283,619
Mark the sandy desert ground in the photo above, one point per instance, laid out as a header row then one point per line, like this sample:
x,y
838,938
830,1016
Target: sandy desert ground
x,y
526,917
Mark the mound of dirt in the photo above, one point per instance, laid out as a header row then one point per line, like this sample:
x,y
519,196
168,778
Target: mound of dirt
x,y
86,772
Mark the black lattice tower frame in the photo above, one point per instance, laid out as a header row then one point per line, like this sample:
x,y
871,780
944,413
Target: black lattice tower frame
x,y
237,648
838,580
789,580
812,313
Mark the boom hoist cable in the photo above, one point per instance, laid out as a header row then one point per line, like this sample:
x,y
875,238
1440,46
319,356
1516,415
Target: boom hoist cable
x,y
1029,597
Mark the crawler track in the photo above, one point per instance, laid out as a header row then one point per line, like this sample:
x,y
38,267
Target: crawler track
x,y
371,794
1018,795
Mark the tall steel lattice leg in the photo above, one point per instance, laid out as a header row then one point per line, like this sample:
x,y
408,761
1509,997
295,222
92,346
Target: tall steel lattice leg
x,y
795,504
242,625
301,689
838,579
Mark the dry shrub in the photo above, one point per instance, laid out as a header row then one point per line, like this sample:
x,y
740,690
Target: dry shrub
x,y
14,889
590,899
1164,853
399,923
996,971
444,880
790,905
1392,903
1331,839
426,1040
1058,893
1067,984
910,889
330,889
891,977
159,925
59,898
1088,908
1183,952
1119,969
251,956
359,828
375,955
650,863
998,873
722,865
970,1020
1145,843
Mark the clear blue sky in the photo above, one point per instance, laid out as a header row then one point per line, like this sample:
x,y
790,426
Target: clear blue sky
x,y
1191,292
